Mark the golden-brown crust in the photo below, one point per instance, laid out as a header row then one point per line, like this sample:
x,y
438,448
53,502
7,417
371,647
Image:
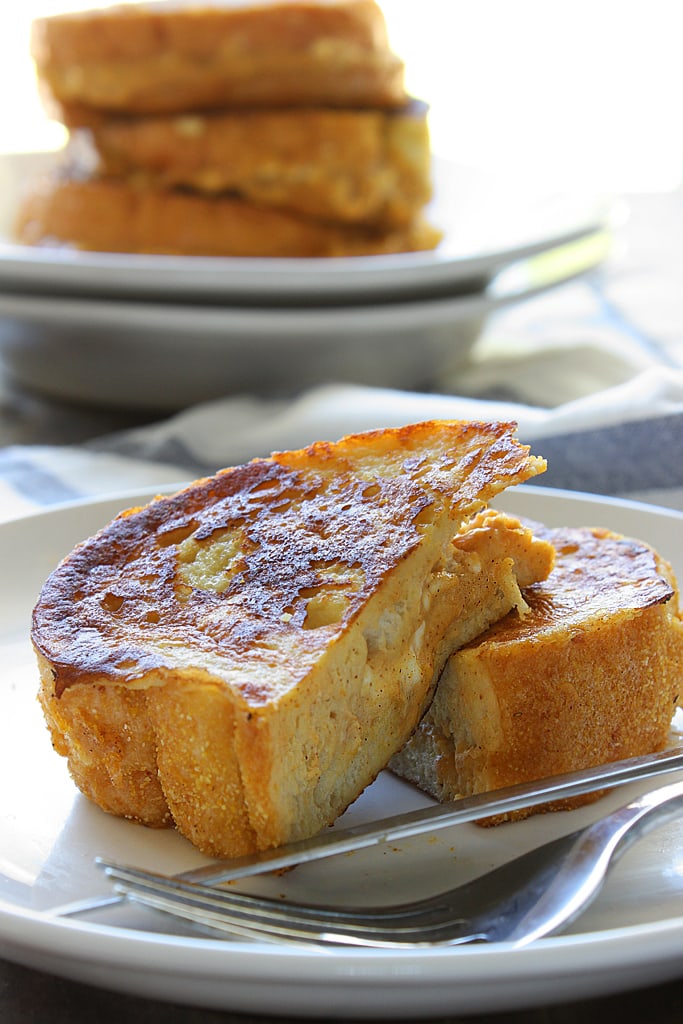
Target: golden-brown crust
x,y
590,674
109,215
162,58
352,504
300,606
340,165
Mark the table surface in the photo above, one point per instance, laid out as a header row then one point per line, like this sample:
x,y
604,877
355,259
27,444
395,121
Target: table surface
x,y
27,995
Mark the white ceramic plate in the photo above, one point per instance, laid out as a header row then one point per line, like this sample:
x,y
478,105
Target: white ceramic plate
x,y
487,224
632,935
154,355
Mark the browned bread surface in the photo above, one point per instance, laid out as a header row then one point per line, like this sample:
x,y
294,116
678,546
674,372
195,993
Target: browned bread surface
x,y
113,215
168,57
591,673
367,166
244,657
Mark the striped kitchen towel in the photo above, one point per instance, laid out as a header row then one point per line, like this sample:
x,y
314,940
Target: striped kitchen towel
x,y
625,441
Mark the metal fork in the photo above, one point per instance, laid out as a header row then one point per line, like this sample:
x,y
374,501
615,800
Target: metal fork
x,y
533,896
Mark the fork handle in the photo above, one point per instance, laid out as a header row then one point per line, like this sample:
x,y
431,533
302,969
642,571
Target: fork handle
x,y
595,851
619,830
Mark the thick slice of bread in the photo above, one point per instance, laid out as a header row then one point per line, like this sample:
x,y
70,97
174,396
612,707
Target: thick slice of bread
x,y
371,166
591,673
244,657
112,215
150,58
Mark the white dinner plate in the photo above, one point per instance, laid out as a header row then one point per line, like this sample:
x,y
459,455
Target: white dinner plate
x,y
632,935
487,223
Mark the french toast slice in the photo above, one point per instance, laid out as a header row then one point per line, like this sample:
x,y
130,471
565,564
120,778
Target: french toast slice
x,y
242,658
591,672
353,166
149,58
103,214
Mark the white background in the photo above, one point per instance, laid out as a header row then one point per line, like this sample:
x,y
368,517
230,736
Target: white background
x,y
564,93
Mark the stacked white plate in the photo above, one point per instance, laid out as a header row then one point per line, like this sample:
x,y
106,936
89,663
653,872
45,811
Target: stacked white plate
x,y
162,332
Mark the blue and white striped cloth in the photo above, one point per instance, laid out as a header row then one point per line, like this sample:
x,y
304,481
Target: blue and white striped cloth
x,y
624,441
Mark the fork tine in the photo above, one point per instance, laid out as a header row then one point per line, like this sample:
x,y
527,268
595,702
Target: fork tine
x,y
401,915
221,920
272,930
132,877
258,917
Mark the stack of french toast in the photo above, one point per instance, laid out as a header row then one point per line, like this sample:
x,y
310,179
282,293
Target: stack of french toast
x,y
241,659
277,128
